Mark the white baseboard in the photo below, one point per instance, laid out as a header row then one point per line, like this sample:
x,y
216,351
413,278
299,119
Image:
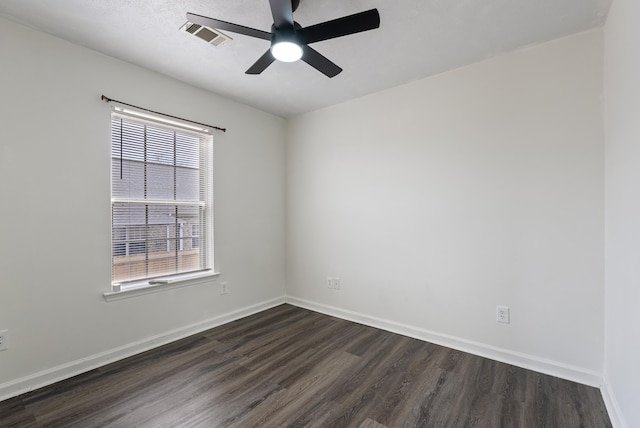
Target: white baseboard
x,y
538,364
73,368
613,408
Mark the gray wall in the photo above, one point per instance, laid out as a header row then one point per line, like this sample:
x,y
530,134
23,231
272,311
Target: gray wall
x,y
622,315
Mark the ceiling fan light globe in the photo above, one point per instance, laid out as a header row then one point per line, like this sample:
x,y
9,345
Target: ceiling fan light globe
x,y
286,51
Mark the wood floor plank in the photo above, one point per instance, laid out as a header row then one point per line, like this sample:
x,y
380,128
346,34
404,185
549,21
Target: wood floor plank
x,y
396,384
290,367
361,393
409,409
304,395
13,413
122,393
370,423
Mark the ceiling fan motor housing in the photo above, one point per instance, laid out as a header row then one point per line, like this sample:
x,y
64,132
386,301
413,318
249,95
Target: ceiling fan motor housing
x,y
286,34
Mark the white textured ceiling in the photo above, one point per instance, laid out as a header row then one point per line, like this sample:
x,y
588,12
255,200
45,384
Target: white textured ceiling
x,y
416,38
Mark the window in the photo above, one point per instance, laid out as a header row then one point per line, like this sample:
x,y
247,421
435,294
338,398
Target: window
x,y
161,198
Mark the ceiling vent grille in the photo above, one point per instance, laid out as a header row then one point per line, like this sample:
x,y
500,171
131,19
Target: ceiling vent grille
x,y
213,37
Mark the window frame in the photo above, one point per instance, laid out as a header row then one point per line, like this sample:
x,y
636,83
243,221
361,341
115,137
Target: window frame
x,y
123,289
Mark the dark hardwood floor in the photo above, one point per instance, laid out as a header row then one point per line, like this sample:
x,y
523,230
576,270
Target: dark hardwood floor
x,y
292,367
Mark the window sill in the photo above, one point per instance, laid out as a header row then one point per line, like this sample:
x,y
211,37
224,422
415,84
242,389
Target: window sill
x,y
145,287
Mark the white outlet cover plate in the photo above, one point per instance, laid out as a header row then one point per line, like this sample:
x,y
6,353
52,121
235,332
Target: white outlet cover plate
x,y
4,343
502,314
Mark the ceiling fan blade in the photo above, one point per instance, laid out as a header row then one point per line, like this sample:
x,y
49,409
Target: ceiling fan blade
x,y
262,63
282,11
319,62
227,26
351,24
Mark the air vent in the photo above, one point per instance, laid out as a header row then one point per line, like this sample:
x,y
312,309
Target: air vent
x,y
213,37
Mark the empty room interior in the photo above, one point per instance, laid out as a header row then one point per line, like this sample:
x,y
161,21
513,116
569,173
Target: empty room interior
x,y
428,215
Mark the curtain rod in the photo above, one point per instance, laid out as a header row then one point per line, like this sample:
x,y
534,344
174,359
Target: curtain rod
x,y
108,100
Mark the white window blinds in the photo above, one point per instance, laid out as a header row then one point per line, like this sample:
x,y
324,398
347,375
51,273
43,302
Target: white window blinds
x,y
161,199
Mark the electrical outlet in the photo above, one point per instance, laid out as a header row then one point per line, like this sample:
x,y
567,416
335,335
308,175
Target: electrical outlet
x,y
333,283
4,340
224,287
502,314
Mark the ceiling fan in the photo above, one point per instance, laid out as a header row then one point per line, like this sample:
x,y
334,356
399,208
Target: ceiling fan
x,y
290,41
